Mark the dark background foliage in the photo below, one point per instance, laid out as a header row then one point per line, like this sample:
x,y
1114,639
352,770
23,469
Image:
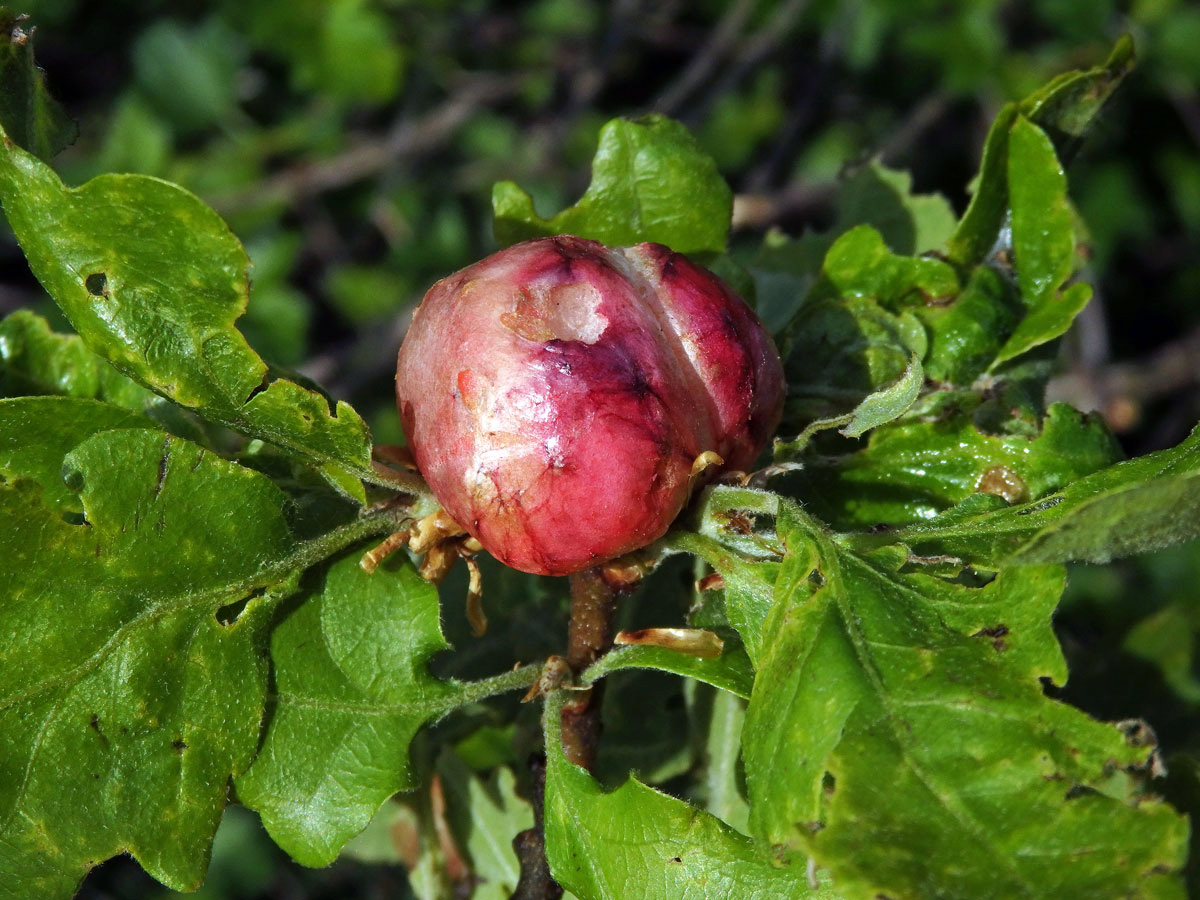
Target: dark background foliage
x,y
352,145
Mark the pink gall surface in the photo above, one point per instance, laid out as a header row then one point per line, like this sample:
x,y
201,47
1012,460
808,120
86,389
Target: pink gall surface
x,y
556,394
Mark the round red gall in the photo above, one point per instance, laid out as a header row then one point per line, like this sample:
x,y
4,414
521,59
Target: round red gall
x,y
556,394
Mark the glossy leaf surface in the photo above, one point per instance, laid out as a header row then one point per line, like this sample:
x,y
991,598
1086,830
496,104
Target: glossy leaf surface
x,y
650,182
153,280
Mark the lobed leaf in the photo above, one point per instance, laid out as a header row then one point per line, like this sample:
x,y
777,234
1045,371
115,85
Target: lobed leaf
x,y
635,841
897,732
351,689
650,182
153,280
128,704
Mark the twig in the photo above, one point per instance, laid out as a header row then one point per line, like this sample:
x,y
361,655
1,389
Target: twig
x,y
758,210
924,114
707,57
759,46
536,882
408,138
1121,390
589,635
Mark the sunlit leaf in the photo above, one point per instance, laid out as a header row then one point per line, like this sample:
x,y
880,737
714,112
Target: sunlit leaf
x,y
1132,507
898,733
128,702
153,281
601,845
351,689
650,182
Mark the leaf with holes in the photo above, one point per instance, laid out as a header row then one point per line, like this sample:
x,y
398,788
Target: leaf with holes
x,y
127,705
920,466
153,280
889,702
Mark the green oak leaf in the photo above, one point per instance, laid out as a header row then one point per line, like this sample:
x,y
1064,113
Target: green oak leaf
x,y
887,404
1043,239
860,264
351,689
27,111
36,360
36,434
153,280
1134,506
650,182
856,332
876,409
922,465
128,703
911,224
980,225
966,336
783,269
1065,108
635,841
898,734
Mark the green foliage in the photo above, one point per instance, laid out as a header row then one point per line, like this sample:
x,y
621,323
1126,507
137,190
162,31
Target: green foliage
x,y
315,794
159,701
26,110
1135,506
185,619
642,174
890,702
599,844
120,255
